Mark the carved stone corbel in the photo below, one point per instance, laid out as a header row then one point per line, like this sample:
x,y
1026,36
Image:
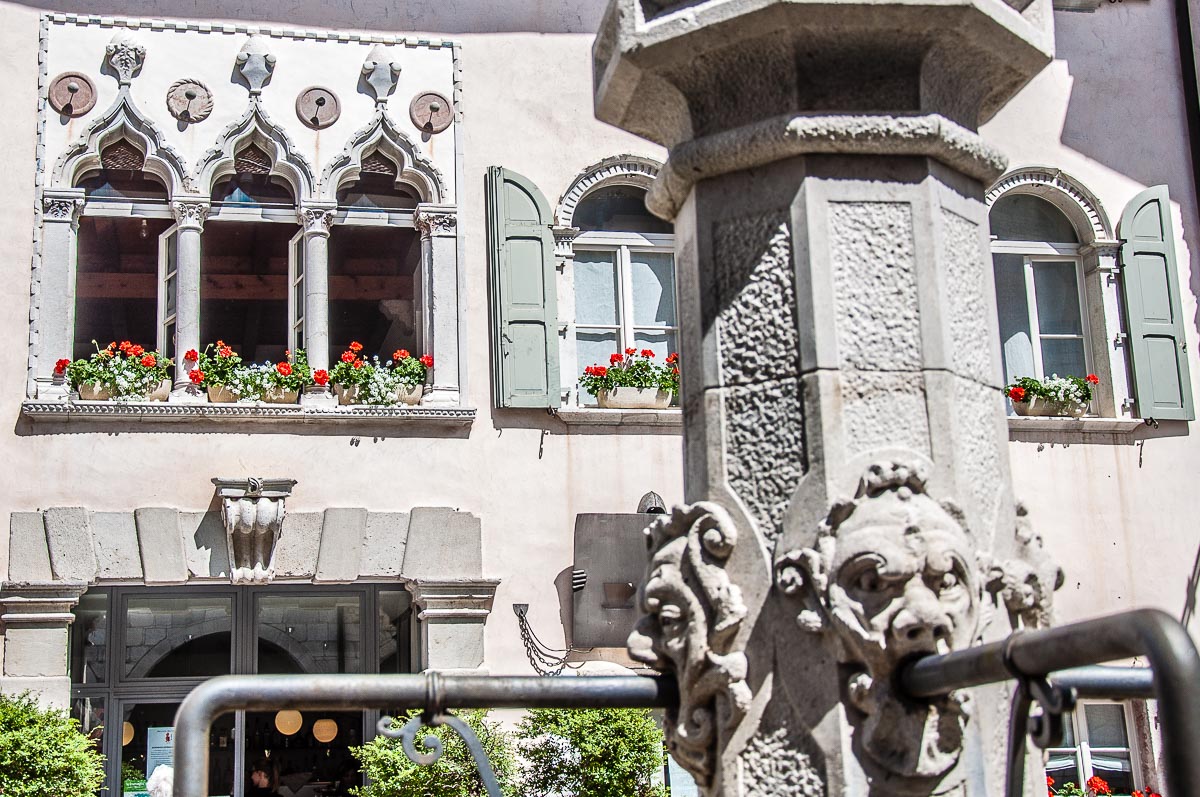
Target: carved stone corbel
x,y
253,510
255,63
381,73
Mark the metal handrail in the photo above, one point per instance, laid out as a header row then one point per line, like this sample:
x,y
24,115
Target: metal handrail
x,y
1032,655
432,692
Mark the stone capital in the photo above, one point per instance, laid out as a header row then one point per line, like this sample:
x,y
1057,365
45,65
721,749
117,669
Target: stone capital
x,y
469,599
47,603
317,219
63,205
436,221
252,509
190,214
564,239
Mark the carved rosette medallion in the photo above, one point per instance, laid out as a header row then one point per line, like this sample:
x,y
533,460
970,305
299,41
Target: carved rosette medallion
x,y
72,94
318,107
125,55
189,100
434,223
891,574
190,215
253,511
691,615
430,112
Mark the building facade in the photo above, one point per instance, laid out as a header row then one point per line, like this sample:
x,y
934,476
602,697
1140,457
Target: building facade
x,y
432,178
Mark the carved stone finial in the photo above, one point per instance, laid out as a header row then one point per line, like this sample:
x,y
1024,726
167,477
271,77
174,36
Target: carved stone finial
x,y
691,614
253,510
892,575
126,56
1026,583
381,73
256,62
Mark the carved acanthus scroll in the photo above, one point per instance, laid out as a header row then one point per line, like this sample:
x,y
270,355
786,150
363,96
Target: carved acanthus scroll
x,y
692,613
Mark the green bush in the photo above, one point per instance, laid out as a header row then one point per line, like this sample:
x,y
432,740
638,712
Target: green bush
x,y
43,753
392,774
591,753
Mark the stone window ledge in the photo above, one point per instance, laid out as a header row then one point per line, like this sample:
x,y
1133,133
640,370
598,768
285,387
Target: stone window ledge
x,y
166,412
594,416
1019,428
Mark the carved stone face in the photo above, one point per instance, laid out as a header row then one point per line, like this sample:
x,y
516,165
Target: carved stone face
x,y
902,580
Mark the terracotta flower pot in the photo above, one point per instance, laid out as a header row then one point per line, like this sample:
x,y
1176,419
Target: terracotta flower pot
x,y
634,398
1043,408
94,391
219,394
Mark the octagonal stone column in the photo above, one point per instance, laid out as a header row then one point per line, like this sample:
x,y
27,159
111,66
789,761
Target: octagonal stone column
x,y
845,445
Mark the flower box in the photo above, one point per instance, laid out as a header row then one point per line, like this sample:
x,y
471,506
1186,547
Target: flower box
x,y
361,380
125,372
93,391
634,398
219,394
1052,397
353,394
1044,408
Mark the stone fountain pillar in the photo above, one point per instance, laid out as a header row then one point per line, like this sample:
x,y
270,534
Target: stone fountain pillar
x,y
845,443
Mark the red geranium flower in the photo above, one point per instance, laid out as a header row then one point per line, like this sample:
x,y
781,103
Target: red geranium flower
x,y
347,356
1017,394
631,351
112,345
400,354
125,346
614,359
60,367
148,361
358,363
225,351
321,377
1137,793
191,356
196,375
672,358
284,369
427,360
136,351
1098,785
1093,379
355,346
647,352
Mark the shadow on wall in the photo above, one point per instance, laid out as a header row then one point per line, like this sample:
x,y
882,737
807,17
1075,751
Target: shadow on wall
x,y
1120,103
444,16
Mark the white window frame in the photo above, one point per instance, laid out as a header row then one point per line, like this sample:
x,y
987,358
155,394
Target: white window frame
x,y
1082,751
622,244
296,273
167,240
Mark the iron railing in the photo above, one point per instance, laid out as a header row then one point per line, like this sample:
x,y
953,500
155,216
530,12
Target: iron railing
x,y
1051,667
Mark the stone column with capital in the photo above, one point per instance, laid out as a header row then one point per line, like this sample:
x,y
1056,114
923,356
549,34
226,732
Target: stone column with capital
x,y
845,447
37,617
190,215
317,220
438,225
452,615
54,289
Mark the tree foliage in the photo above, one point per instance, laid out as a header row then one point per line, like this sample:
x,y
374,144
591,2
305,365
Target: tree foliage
x,y
591,753
43,753
392,774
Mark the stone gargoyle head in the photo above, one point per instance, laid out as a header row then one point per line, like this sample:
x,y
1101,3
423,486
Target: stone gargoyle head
x,y
691,613
891,575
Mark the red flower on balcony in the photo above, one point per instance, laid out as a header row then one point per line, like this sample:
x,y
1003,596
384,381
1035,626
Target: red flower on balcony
x,y
400,354
148,361
191,356
284,369
124,347
648,353
1017,394
60,367
355,346
358,363
614,359
1097,785
347,356
427,360
136,351
1092,379
321,377
631,351
196,375
672,358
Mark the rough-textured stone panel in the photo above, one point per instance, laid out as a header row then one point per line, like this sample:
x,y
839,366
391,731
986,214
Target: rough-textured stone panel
x,y
69,539
966,298
764,449
875,286
205,542
977,460
341,541
164,560
115,538
28,556
756,298
883,409
384,540
776,763
299,545
443,544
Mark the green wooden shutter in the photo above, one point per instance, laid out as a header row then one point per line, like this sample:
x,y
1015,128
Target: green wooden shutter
x,y
1149,277
523,293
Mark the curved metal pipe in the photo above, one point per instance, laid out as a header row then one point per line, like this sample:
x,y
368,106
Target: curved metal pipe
x,y
227,693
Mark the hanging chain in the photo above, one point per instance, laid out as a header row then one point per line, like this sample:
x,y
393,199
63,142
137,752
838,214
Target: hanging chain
x,y
544,659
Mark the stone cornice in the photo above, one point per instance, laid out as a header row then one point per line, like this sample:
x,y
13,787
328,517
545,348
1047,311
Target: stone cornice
x,y
760,143
40,602
160,411
460,598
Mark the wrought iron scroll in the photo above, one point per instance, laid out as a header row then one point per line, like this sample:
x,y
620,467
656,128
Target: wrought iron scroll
x,y
408,733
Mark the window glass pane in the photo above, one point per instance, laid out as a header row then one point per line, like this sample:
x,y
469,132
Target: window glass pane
x,y
148,735
89,639
177,637
116,285
373,282
596,288
311,759
1116,769
1012,308
90,713
663,343
395,631
653,288
1057,298
1068,731
376,191
122,184
594,346
1063,357
1106,725
315,634
1021,217
618,208
1063,767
